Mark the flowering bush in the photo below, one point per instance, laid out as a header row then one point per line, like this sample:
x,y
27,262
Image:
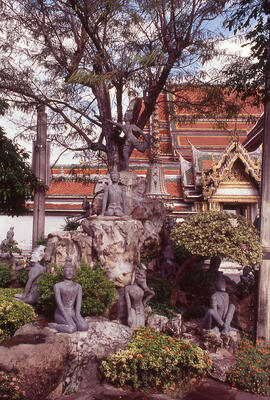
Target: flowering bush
x,y
218,233
251,370
13,314
153,359
10,387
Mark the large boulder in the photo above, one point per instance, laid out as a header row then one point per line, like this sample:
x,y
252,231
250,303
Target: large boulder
x,y
116,245
37,357
75,244
49,362
88,349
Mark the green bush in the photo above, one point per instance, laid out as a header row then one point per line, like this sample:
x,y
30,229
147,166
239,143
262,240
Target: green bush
x,y
13,314
251,370
160,303
22,277
98,291
46,303
11,247
5,275
156,360
218,233
10,387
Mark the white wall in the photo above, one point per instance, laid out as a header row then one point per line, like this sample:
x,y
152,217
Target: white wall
x,y
23,228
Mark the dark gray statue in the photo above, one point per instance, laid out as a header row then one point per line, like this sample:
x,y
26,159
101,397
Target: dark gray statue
x,y
114,199
68,297
30,294
134,295
221,311
130,140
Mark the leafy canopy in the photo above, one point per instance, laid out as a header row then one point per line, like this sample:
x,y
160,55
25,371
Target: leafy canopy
x,y
246,75
84,57
221,234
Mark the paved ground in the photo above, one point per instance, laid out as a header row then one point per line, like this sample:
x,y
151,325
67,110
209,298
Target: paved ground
x,y
206,390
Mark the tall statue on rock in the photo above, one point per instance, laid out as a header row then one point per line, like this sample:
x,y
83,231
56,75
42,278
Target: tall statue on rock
x,y
114,199
68,297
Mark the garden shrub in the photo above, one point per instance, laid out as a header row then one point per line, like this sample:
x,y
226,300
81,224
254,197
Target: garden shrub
x,y
98,291
153,359
22,277
46,303
5,275
218,233
160,303
10,387
11,247
13,314
251,370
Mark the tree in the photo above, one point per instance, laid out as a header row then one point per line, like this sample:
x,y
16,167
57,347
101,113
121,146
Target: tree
x,y
17,181
82,57
219,234
246,75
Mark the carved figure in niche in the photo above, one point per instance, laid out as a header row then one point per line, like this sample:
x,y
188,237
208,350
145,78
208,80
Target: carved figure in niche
x,y
221,311
68,297
114,199
135,301
9,237
30,294
130,140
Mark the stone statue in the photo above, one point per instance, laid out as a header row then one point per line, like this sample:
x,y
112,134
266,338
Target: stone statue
x,y
130,140
30,294
67,315
9,237
114,199
134,295
221,311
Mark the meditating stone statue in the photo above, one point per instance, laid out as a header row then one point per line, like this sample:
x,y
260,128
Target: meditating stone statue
x,y
134,295
30,294
67,315
114,199
221,311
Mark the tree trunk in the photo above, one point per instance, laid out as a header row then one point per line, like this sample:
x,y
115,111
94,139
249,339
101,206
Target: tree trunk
x,y
215,264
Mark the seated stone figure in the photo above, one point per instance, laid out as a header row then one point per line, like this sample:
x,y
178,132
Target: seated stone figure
x,y
114,199
221,311
134,295
67,315
30,294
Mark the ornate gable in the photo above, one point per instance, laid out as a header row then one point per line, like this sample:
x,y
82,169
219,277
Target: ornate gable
x,y
235,164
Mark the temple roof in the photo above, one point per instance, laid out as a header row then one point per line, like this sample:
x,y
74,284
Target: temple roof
x,y
202,176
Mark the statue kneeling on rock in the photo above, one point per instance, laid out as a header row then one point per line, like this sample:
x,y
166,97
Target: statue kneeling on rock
x,y
67,315
221,311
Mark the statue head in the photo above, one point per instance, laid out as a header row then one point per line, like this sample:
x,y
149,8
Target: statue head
x,y
68,269
37,254
220,284
114,175
139,276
